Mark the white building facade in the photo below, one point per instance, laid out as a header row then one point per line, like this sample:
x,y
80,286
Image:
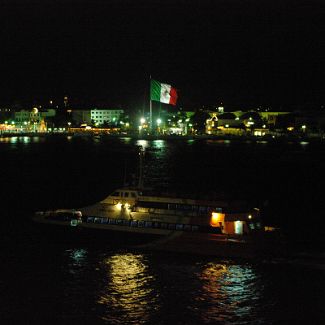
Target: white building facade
x,y
100,116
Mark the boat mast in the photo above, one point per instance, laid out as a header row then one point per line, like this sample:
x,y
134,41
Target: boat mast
x,y
150,106
141,156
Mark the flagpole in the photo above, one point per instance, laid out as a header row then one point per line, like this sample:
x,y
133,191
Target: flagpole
x,y
150,106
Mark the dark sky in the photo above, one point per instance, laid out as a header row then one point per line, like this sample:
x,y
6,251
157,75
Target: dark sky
x,y
241,53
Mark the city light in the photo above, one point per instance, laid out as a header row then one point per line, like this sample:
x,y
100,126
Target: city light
x,y
158,121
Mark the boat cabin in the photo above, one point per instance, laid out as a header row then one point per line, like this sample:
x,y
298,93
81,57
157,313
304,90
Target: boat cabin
x,y
123,196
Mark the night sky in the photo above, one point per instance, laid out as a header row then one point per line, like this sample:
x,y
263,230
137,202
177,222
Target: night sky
x,y
241,53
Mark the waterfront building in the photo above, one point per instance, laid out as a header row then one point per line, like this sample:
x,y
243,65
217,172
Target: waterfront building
x,y
239,123
96,116
102,116
33,120
34,115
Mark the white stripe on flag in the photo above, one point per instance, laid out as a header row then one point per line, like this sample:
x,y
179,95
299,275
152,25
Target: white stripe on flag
x,y
165,93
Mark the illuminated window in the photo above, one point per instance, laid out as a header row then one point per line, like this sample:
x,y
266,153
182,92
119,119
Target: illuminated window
x,y
217,219
238,227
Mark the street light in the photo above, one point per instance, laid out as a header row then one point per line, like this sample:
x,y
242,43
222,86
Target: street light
x,y
142,121
158,125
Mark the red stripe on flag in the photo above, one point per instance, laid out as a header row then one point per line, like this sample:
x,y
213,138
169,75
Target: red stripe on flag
x,y
173,96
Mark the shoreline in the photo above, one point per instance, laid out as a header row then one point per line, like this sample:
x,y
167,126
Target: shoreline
x,y
283,138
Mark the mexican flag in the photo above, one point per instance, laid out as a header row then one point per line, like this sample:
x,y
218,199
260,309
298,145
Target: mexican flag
x,y
162,92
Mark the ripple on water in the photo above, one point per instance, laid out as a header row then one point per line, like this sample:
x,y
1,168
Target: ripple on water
x,y
128,294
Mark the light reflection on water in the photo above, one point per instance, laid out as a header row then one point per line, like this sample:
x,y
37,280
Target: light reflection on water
x,y
94,286
218,293
159,144
228,292
143,143
27,140
78,256
21,139
13,140
126,140
129,295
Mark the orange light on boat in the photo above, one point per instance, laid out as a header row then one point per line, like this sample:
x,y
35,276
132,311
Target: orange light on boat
x,y
216,218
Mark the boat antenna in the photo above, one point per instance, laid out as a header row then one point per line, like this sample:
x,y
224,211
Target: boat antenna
x,y
124,180
141,156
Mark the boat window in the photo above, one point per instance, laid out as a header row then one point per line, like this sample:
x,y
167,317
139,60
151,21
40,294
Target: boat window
x,y
153,205
195,228
133,194
203,209
171,206
126,194
186,207
179,227
141,223
116,194
148,224
134,223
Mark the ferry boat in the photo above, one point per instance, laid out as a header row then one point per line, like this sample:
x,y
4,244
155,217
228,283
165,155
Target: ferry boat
x,y
177,223
166,222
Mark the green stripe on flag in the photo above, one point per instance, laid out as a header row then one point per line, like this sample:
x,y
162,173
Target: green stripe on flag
x,y
155,89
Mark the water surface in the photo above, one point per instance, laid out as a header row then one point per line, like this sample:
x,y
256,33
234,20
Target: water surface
x,y
50,281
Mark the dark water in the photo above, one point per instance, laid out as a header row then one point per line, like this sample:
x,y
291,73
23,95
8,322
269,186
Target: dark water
x,y
53,282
